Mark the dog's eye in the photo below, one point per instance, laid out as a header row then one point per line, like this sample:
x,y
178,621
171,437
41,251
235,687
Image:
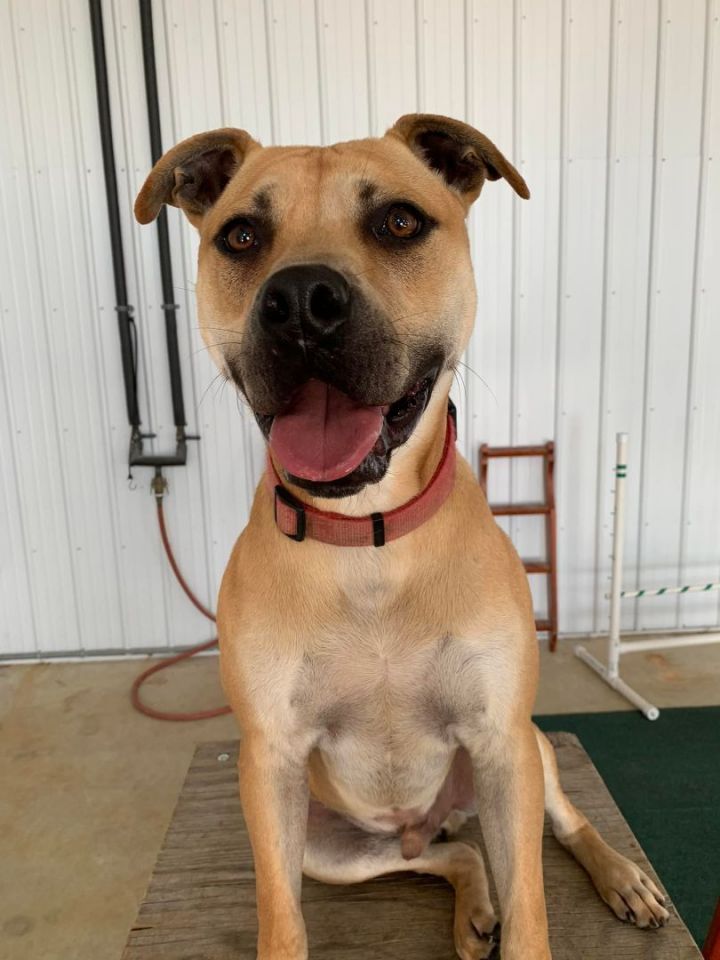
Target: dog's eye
x,y
239,236
402,222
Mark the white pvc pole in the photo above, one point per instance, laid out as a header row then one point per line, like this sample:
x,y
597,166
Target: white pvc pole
x,y
668,643
649,709
611,673
642,634
617,555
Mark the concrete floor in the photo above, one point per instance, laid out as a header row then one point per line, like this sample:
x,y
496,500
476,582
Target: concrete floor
x,y
88,785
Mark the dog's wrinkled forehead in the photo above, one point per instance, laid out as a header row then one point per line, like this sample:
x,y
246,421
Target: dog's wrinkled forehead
x,y
310,195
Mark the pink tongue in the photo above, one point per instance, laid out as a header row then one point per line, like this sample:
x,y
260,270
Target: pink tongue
x,y
325,434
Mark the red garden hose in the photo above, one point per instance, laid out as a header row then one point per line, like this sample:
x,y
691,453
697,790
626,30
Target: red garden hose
x,y
186,654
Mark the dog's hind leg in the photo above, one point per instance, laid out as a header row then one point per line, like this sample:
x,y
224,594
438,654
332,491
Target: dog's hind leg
x,y
629,892
337,851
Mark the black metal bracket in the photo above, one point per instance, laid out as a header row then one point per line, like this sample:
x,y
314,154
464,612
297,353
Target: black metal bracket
x,y
137,458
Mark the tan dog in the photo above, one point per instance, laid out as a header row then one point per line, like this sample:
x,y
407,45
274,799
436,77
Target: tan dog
x,y
383,692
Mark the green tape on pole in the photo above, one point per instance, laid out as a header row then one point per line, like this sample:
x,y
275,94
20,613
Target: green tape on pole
x,y
660,591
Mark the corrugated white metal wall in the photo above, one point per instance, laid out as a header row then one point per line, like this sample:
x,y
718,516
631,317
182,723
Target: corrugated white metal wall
x,y
599,300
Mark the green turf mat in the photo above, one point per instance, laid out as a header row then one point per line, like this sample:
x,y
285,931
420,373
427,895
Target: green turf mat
x,y
665,777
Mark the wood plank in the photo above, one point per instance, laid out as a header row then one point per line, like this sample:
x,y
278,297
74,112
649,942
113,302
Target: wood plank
x,y
200,904
531,451
519,509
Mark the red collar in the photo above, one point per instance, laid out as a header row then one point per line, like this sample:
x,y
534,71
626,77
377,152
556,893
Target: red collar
x,y
298,520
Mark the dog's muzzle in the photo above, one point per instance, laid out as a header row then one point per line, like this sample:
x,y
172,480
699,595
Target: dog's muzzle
x,y
334,387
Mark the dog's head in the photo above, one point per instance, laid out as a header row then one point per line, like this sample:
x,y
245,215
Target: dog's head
x,y
334,283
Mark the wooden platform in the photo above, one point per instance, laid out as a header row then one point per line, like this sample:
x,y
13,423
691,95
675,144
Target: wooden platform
x,y
201,901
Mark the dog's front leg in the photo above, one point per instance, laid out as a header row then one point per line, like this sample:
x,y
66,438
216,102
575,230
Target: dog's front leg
x,y
274,794
507,772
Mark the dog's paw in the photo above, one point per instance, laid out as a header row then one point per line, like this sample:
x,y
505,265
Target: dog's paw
x,y
477,935
632,895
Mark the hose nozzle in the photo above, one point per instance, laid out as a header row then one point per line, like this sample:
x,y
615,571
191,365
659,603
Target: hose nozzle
x,y
159,484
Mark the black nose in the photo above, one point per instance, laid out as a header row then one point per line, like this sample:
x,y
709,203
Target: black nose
x,y
310,301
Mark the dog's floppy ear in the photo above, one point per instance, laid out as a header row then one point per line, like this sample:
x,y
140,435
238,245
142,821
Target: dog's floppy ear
x,y
193,174
463,156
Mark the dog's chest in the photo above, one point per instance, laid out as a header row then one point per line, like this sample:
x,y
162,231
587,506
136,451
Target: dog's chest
x,y
386,707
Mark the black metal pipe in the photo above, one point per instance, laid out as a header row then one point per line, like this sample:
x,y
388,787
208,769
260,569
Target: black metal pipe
x,y
126,323
168,288
124,310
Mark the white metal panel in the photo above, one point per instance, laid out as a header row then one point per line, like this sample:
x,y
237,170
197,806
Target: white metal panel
x,y
392,58
627,253
441,89
700,552
138,584
18,565
231,447
343,70
294,63
677,167
17,630
195,98
538,120
490,92
181,623
617,146
58,451
243,66
581,294
440,35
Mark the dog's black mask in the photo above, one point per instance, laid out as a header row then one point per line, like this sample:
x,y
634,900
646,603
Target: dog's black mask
x,y
309,322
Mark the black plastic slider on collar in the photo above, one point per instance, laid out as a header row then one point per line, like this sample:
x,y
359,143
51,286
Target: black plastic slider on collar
x,y
298,509
378,523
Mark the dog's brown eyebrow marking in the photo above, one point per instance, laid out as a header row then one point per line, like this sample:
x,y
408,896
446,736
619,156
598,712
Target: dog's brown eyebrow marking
x,y
368,192
262,200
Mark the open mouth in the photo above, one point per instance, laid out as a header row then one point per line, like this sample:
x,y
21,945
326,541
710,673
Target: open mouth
x,y
332,446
